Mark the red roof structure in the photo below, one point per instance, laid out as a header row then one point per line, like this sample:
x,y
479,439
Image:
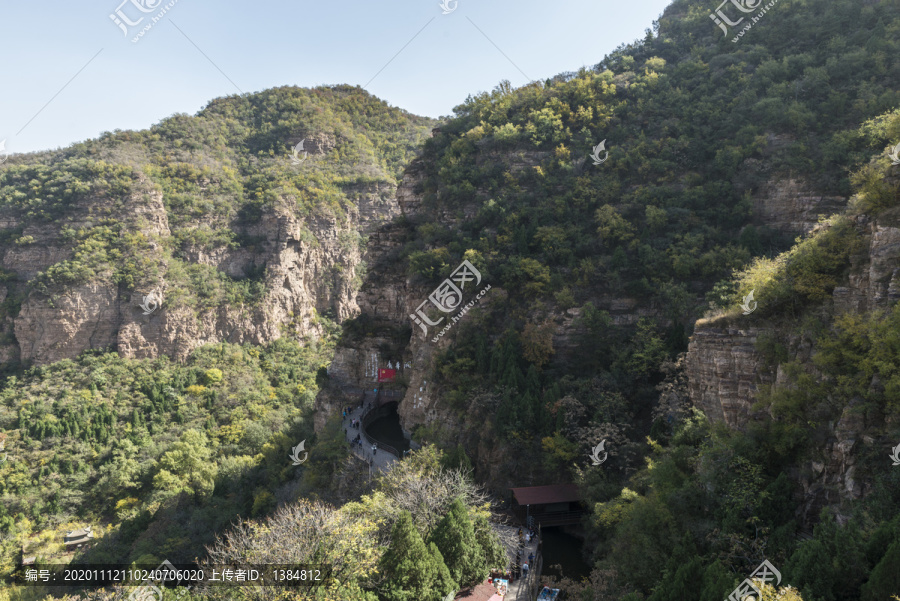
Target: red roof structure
x,y
544,495
481,592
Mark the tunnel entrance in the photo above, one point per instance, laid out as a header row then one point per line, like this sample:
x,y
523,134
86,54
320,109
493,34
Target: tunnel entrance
x,y
386,428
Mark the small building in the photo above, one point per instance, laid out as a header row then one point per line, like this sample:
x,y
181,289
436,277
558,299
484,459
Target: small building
x,y
553,505
28,561
76,539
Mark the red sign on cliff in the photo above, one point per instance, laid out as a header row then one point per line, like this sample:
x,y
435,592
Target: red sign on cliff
x,y
386,375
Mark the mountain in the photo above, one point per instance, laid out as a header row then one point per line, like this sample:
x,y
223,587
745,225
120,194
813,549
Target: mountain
x,y
601,299
210,212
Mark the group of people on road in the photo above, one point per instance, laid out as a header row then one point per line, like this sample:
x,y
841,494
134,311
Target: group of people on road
x,y
520,568
355,423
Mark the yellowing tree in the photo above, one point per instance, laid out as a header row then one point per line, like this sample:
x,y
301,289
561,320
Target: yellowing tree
x,y
187,467
786,593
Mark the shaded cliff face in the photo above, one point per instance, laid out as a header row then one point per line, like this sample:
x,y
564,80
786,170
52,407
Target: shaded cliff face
x,y
726,369
793,206
241,249
726,366
724,372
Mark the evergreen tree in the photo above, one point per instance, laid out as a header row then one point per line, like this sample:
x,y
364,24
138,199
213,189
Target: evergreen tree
x,y
454,536
810,570
482,361
414,571
443,580
527,417
457,459
494,554
496,366
884,582
533,381
512,374
716,578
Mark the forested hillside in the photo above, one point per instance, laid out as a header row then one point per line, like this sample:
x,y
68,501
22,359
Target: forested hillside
x,y
719,153
617,284
161,423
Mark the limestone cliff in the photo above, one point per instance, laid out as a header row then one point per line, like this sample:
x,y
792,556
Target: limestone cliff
x,y
726,370
308,265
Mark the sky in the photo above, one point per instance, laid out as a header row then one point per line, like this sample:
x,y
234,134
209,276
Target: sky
x,y
69,72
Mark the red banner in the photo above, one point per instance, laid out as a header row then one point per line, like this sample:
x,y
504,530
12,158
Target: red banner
x,y
386,375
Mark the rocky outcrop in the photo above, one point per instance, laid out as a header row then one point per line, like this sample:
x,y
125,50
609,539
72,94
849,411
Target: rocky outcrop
x,y
723,365
308,265
725,372
794,206
873,282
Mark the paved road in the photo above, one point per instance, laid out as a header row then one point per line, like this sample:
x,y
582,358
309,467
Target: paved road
x,y
382,458
518,591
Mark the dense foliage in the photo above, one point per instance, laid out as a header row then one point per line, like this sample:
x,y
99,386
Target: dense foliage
x,y
164,453
216,174
698,130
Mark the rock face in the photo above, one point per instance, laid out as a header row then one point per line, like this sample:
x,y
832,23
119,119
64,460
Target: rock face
x,y
873,282
725,372
793,206
308,266
724,368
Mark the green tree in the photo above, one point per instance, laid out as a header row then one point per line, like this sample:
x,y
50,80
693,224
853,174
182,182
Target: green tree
x,y
455,537
810,570
413,571
494,554
187,467
884,580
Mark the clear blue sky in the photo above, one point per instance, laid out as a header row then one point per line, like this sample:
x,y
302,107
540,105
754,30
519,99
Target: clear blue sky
x,y
266,43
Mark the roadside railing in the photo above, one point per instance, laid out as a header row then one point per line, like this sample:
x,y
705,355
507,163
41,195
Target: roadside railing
x,y
563,518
